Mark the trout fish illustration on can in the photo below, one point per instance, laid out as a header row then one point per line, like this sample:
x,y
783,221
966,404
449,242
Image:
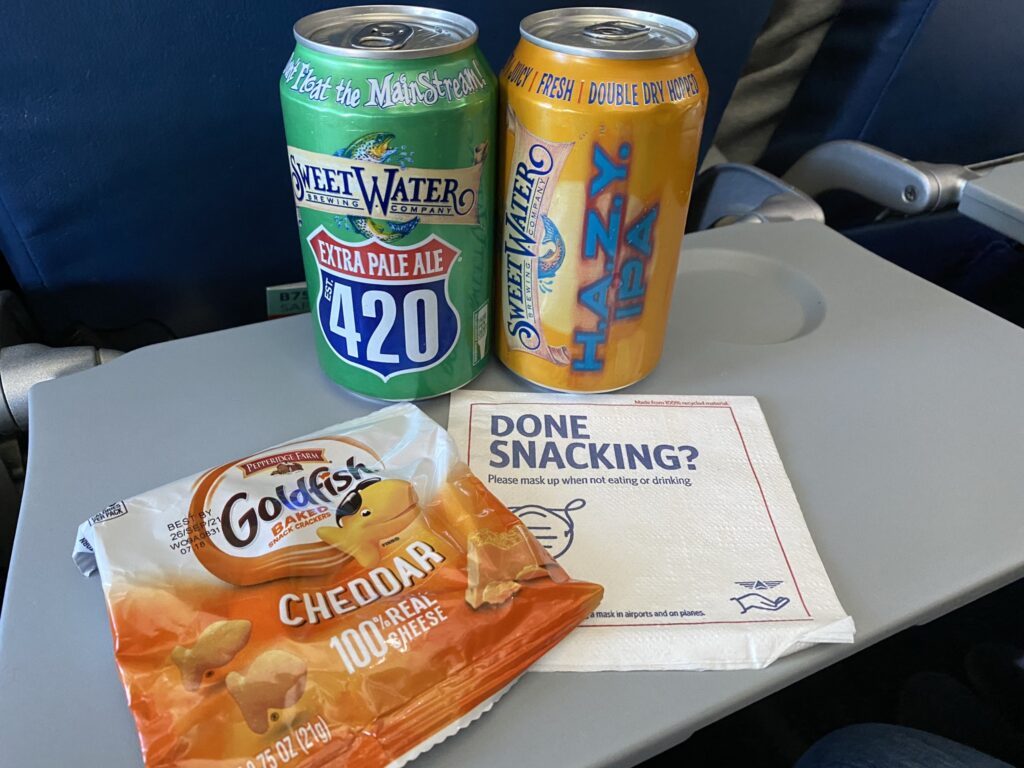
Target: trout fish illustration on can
x,y
390,115
603,113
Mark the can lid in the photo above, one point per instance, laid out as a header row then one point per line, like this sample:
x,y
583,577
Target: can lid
x,y
385,32
608,33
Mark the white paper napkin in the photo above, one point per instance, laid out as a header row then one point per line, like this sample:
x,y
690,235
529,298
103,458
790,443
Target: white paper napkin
x,y
679,506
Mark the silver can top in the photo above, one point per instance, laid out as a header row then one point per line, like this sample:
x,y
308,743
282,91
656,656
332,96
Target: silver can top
x,y
608,33
386,32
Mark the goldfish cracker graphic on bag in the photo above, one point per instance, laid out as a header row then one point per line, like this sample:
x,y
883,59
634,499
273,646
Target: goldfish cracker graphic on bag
x,y
349,598
218,644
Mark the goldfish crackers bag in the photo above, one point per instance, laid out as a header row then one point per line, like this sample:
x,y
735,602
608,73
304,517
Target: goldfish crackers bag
x,y
348,598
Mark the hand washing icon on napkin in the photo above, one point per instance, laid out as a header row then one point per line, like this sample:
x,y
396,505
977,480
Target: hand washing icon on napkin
x,y
757,601
754,601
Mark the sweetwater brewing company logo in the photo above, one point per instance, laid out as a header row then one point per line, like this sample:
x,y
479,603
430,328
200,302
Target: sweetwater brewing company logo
x,y
346,184
386,308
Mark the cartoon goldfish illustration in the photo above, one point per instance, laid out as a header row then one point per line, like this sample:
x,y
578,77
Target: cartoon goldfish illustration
x,y
376,148
553,253
375,510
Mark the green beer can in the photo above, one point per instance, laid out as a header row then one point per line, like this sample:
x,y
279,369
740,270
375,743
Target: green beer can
x,y
389,113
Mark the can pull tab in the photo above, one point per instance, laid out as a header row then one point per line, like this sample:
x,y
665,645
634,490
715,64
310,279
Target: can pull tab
x,y
382,36
615,29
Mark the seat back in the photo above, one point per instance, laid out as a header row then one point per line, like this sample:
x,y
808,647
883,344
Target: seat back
x,y
143,181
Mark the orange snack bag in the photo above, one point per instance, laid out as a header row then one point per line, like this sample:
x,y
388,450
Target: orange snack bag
x,y
348,598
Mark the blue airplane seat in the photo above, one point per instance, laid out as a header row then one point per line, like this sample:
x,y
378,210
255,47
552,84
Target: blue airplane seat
x,y
933,80
144,191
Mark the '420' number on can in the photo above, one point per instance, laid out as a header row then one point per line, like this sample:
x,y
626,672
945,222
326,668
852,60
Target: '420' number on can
x,y
415,297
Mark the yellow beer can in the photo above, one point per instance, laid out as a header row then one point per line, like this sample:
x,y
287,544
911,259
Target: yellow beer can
x,y
603,110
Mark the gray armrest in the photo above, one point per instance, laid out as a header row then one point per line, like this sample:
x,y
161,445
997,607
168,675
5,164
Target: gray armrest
x,y
882,177
991,193
996,199
733,193
25,365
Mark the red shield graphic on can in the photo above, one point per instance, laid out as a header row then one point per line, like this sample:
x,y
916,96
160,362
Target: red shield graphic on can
x,y
386,308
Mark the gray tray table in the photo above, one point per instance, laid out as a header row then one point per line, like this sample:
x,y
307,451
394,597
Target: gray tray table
x,y
895,405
